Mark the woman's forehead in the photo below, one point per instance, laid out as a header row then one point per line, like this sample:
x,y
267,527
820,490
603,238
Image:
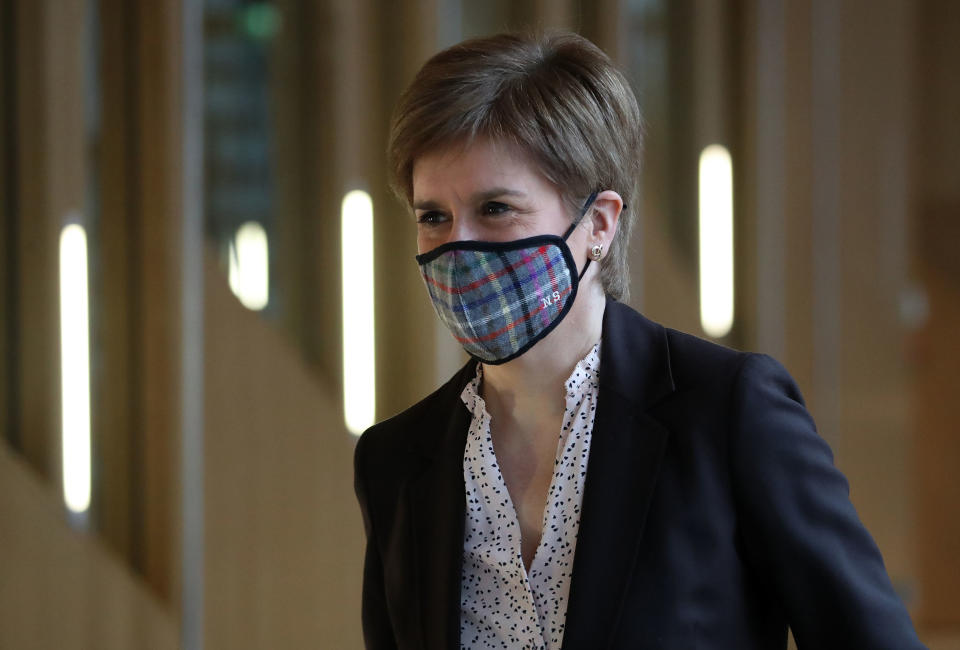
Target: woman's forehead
x,y
477,164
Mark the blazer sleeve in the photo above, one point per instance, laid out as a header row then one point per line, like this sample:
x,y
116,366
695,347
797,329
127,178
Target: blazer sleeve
x,y
800,530
377,631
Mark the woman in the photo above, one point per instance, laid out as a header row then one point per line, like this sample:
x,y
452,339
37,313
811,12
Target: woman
x,y
589,479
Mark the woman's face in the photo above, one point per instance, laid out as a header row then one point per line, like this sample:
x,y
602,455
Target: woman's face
x,y
487,191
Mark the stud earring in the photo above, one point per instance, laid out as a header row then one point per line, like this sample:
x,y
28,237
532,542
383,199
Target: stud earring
x,y
597,252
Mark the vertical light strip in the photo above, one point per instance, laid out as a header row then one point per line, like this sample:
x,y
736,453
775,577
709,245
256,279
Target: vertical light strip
x,y
249,274
716,241
75,367
356,255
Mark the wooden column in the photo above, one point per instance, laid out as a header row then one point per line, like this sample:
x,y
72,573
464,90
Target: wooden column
x,y
294,177
117,422
49,107
935,343
8,211
157,242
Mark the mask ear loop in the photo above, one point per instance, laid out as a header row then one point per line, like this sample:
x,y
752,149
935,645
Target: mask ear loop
x,y
583,211
584,271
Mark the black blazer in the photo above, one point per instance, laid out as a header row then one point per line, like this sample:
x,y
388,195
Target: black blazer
x,y
713,516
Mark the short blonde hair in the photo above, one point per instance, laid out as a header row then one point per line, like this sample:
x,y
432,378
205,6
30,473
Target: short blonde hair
x,y
557,96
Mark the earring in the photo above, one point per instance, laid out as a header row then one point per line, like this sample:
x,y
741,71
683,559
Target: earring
x,y
597,252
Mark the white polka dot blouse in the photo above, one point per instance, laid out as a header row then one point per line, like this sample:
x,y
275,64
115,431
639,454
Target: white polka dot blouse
x,y
501,604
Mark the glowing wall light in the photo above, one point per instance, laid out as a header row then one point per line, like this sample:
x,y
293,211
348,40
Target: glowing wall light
x,y
75,367
250,266
716,241
356,255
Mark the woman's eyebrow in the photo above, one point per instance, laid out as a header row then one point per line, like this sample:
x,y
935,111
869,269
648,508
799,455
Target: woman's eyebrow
x,y
478,197
495,192
426,204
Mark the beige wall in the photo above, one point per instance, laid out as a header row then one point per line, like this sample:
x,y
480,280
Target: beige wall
x,y
59,587
284,538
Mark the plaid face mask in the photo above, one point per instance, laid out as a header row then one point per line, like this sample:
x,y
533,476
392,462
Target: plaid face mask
x,y
499,298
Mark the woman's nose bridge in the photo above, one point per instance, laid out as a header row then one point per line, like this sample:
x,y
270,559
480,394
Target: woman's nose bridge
x,y
462,228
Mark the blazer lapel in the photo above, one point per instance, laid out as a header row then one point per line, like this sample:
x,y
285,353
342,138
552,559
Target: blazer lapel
x,y
625,452
437,504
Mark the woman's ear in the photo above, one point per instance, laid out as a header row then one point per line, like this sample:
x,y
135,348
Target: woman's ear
x,y
604,216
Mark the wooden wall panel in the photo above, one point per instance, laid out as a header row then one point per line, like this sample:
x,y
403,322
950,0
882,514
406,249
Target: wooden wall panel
x,y
856,87
284,538
862,383
60,588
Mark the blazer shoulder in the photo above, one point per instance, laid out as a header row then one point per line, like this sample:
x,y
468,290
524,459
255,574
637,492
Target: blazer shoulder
x,y
647,362
695,361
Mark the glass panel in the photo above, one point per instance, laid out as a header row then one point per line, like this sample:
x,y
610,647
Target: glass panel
x,y
239,134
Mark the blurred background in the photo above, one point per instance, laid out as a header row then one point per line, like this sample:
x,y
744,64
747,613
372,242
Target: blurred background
x,y
197,240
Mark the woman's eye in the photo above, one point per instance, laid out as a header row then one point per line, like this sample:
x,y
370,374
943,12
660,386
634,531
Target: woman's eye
x,y
495,208
430,218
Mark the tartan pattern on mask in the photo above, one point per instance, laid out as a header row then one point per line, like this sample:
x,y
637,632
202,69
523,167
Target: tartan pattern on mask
x,y
497,302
